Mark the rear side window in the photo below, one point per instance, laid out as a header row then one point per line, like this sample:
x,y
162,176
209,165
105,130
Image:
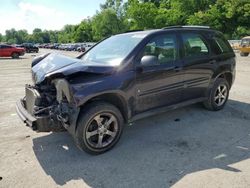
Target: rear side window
x,y
5,46
222,44
194,45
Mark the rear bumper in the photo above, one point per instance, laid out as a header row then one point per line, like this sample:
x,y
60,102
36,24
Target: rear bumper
x,y
24,115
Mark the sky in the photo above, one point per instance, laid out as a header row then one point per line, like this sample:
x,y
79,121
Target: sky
x,y
44,14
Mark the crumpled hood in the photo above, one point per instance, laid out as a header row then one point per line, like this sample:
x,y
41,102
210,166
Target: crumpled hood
x,y
57,64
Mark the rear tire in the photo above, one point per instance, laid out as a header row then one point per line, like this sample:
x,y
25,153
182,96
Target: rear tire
x,y
218,95
15,55
99,128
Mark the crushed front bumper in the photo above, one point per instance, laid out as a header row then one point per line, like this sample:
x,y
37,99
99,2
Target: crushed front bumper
x,y
24,115
39,123
56,117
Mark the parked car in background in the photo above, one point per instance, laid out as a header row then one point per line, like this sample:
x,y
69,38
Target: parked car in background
x,y
127,77
63,47
89,45
11,51
85,46
81,48
234,44
70,47
29,47
46,46
54,46
244,47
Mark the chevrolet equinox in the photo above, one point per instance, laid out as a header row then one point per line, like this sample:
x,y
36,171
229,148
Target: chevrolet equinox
x,y
124,78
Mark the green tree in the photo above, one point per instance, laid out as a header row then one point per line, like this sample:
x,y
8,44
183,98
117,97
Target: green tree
x,y
46,36
141,15
106,23
21,36
115,16
83,32
53,35
112,4
67,34
37,36
10,36
230,17
241,32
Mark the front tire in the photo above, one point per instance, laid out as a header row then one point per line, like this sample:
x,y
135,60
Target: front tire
x,y
218,95
244,54
99,128
15,55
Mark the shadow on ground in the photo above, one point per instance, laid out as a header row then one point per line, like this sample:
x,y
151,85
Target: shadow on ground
x,y
154,152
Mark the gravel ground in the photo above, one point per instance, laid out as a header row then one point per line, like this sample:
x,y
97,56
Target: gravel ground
x,y
188,147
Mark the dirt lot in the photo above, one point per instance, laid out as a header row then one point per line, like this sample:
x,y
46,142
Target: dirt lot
x,y
202,149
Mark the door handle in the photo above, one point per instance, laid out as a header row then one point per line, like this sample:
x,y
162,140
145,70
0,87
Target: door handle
x,y
212,61
177,69
139,69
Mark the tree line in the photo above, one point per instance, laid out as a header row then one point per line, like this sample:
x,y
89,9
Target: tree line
x,y
231,17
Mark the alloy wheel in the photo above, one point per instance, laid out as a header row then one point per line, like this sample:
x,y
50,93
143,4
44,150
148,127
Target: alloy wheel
x,y
221,95
101,130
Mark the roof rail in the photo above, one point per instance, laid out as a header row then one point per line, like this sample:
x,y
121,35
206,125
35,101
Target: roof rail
x,y
171,27
187,26
197,26
129,31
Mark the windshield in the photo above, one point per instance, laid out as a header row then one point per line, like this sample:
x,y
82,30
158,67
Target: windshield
x,y
113,50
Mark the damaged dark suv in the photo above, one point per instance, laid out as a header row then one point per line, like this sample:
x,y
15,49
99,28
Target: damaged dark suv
x,y
124,78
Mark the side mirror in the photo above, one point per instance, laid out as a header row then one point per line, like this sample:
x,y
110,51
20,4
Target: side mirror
x,y
149,60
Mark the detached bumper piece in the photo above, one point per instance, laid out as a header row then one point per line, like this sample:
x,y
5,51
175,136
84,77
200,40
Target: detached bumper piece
x,y
24,115
40,123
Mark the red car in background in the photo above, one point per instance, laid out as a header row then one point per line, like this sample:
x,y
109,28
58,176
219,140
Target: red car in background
x,y
11,51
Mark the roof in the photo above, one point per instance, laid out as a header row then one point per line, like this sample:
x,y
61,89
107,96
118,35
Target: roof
x,y
247,37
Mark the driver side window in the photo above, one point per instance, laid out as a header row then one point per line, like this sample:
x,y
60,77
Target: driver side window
x,y
164,48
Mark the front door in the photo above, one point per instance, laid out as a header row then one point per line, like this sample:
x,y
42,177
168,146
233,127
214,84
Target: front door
x,y
159,84
5,50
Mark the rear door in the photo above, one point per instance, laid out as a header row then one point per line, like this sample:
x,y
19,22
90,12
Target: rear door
x,y
160,84
198,64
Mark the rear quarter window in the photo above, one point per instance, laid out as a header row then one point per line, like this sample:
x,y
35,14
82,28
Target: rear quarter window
x,y
222,44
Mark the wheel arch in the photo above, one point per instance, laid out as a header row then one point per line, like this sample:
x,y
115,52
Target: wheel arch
x,y
15,52
115,99
226,75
